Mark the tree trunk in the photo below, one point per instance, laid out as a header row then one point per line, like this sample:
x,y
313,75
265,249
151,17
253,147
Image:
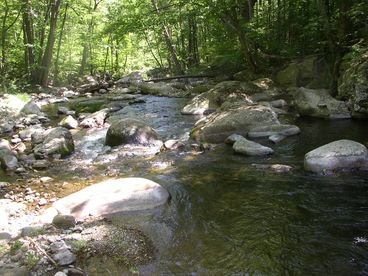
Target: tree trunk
x,y
47,57
43,33
56,65
169,44
3,39
28,34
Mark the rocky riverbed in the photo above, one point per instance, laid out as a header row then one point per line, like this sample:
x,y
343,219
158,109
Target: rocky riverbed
x,y
62,142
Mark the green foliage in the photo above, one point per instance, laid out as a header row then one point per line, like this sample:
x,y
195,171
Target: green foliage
x,y
15,247
31,260
119,36
79,247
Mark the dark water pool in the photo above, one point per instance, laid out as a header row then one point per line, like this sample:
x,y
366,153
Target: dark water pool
x,y
233,219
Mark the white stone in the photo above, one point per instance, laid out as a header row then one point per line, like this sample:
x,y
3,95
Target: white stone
x,y
336,156
113,196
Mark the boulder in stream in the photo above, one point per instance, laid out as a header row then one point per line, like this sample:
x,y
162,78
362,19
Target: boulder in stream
x,y
337,156
53,141
222,92
319,103
132,131
218,126
113,196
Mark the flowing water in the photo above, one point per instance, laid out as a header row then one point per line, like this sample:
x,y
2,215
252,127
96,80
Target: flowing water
x,y
226,217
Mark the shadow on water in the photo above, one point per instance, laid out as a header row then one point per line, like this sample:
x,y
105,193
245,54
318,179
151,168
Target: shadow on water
x,y
234,219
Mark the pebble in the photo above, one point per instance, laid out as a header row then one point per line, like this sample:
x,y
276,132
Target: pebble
x,y
46,179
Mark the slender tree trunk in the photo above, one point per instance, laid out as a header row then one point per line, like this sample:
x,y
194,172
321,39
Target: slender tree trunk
x,y
3,39
169,44
43,33
337,41
28,41
56,64
117,56
87,45
47,57
151,50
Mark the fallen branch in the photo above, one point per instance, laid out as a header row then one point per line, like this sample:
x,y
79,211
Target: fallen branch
x,y
180,77
40,250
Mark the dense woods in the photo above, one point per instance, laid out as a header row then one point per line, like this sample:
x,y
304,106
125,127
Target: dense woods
x,y
54,41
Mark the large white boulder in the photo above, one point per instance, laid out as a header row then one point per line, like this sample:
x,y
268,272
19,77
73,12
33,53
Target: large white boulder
x,y
337,156
113,196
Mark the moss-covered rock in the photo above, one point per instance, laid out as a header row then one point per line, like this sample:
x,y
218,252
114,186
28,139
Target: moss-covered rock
x,y
319,103
312,72
57,140
132,131
354,86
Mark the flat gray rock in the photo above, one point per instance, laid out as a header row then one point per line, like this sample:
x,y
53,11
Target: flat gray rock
x,y
246,147
337,156
113,196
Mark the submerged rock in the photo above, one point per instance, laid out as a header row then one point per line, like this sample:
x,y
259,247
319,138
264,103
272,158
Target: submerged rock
x,y
337,156
271,130
57,140
276,168
220,125
246,147
132,131
319,103
113,196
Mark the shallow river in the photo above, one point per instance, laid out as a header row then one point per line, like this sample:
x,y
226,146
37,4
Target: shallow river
x,y
228,218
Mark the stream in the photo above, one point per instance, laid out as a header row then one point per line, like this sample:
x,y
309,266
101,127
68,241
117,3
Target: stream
x,y
227,217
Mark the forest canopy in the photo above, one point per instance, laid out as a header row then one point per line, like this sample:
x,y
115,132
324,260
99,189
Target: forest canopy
x,y
55,41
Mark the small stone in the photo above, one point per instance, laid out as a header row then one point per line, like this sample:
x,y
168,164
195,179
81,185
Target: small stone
x,y
16,140
276,138
40,164
64,257
75,272
60,274
42,202
45,179
64,221
232,139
